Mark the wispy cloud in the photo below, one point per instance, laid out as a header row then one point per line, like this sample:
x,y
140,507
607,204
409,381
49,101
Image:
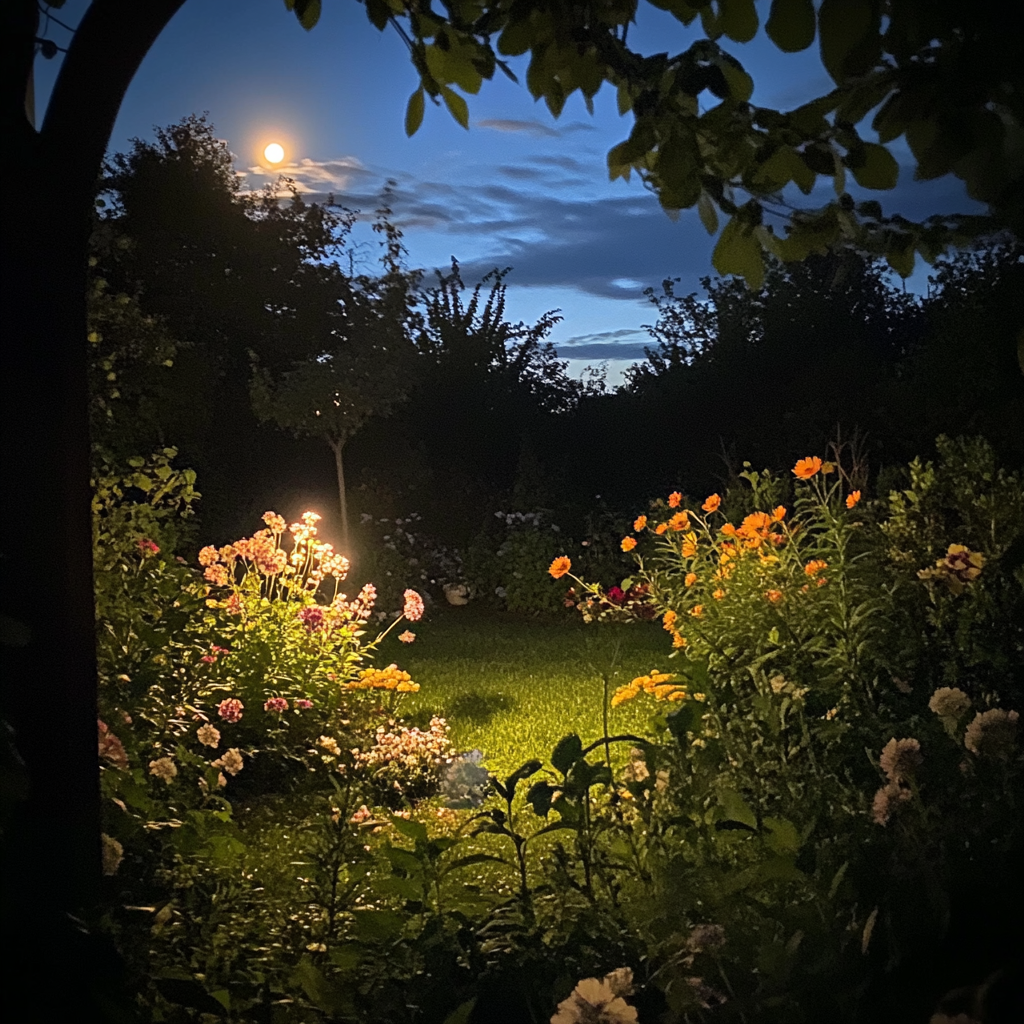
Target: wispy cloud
x,y
537,128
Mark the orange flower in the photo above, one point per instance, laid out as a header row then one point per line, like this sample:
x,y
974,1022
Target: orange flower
x,y
822,581
628,543
678,640
669,619
711,505
729,530
697,611
674,499
778,513
775,596
661,528
680,521
640,523
852,498
691,578
718,594
560,566
806,468
813,567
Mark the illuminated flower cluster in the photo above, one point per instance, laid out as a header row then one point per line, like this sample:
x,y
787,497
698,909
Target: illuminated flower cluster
x,y
230,761
163,768
276,705
957,569
949,702
407,761
390,678
660,685
413,607
208,735
613,604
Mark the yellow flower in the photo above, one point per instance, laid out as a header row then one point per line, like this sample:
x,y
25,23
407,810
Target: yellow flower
x,y
806,468
628,543
640,523
678,640
624,693
560,566
689,548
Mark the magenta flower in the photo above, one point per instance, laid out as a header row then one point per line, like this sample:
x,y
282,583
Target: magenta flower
x,y
277,704
303,705
230,710
312,617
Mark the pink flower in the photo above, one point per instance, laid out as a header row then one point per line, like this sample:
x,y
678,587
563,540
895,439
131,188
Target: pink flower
x,y
277,704
148,547
616,595
887,800
230,710
303,705
312,617
110,746
899,759
413,609
407,637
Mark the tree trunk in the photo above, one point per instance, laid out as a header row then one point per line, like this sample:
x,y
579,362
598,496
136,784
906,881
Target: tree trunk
x,y
51,847
337,447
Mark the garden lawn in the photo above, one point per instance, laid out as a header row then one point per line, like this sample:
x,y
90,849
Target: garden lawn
x,y
512,687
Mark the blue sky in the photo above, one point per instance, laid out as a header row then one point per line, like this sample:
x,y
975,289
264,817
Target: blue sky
x,y
518,189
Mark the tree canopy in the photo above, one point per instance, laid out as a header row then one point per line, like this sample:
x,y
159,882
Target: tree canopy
x,y
947,77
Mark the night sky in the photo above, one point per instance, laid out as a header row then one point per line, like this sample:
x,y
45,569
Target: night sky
x,y
518,189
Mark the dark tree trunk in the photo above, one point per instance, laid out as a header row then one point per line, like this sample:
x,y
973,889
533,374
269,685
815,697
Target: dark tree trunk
x,y
51,847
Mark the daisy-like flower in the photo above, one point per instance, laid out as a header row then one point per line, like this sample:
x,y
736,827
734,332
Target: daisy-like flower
x,y
675,499
711,504
208,735
639,523
718,594
560,566
628,543
679,522
852,498
806,468
661,528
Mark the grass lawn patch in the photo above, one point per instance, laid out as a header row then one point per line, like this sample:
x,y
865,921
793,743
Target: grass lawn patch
x,y
512,686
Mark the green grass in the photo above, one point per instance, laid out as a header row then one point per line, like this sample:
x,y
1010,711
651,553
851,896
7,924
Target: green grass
x,y
512,687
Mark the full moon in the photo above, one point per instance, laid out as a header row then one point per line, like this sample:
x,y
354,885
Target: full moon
x,y
274,153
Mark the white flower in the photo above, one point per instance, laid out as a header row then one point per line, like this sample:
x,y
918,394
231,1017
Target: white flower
x,y
163,768
595,1001
231,761
992,732
949,702
208,735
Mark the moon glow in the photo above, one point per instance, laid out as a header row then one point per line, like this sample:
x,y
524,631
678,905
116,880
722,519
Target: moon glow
x,y
274,153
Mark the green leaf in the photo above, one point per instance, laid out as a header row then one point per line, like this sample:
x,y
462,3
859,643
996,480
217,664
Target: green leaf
x,y
322,993
900,256
782,836
539,797
474,858
456,106
414,112
741,85
524,771
567,752
791,24
837,879
190,993
735,808
378,925
378,12
874,167
462,1013
308,12
413,829
848,31
739,252
738,19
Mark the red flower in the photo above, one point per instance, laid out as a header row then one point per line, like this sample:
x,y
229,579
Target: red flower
x,y
148,547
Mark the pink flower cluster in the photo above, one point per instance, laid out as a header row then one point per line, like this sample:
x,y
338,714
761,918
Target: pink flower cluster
x,y
276,704
312,617
407,749
231,709
413,609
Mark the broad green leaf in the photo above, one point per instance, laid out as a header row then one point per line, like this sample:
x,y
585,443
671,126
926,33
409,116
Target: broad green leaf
x,y
848,32
377,11
322,993
739,252
741,85
735,808
782,836
456,106
738,19
413,829
567,752
791,24
623,98
308,13
524,771
378,925
708,213
875,168
414,112
517,38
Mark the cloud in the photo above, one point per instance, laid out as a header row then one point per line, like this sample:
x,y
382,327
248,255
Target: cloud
x,y
620,352
537,128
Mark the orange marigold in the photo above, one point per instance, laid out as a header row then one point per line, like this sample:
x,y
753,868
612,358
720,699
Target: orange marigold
x,y
697,611
778,513
852,498
628,543
691,578
775,596
678,640
639,523
806,468
668,619
712,503
814,566
661,528
718,594
679,522
674,499
729,530
560,566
